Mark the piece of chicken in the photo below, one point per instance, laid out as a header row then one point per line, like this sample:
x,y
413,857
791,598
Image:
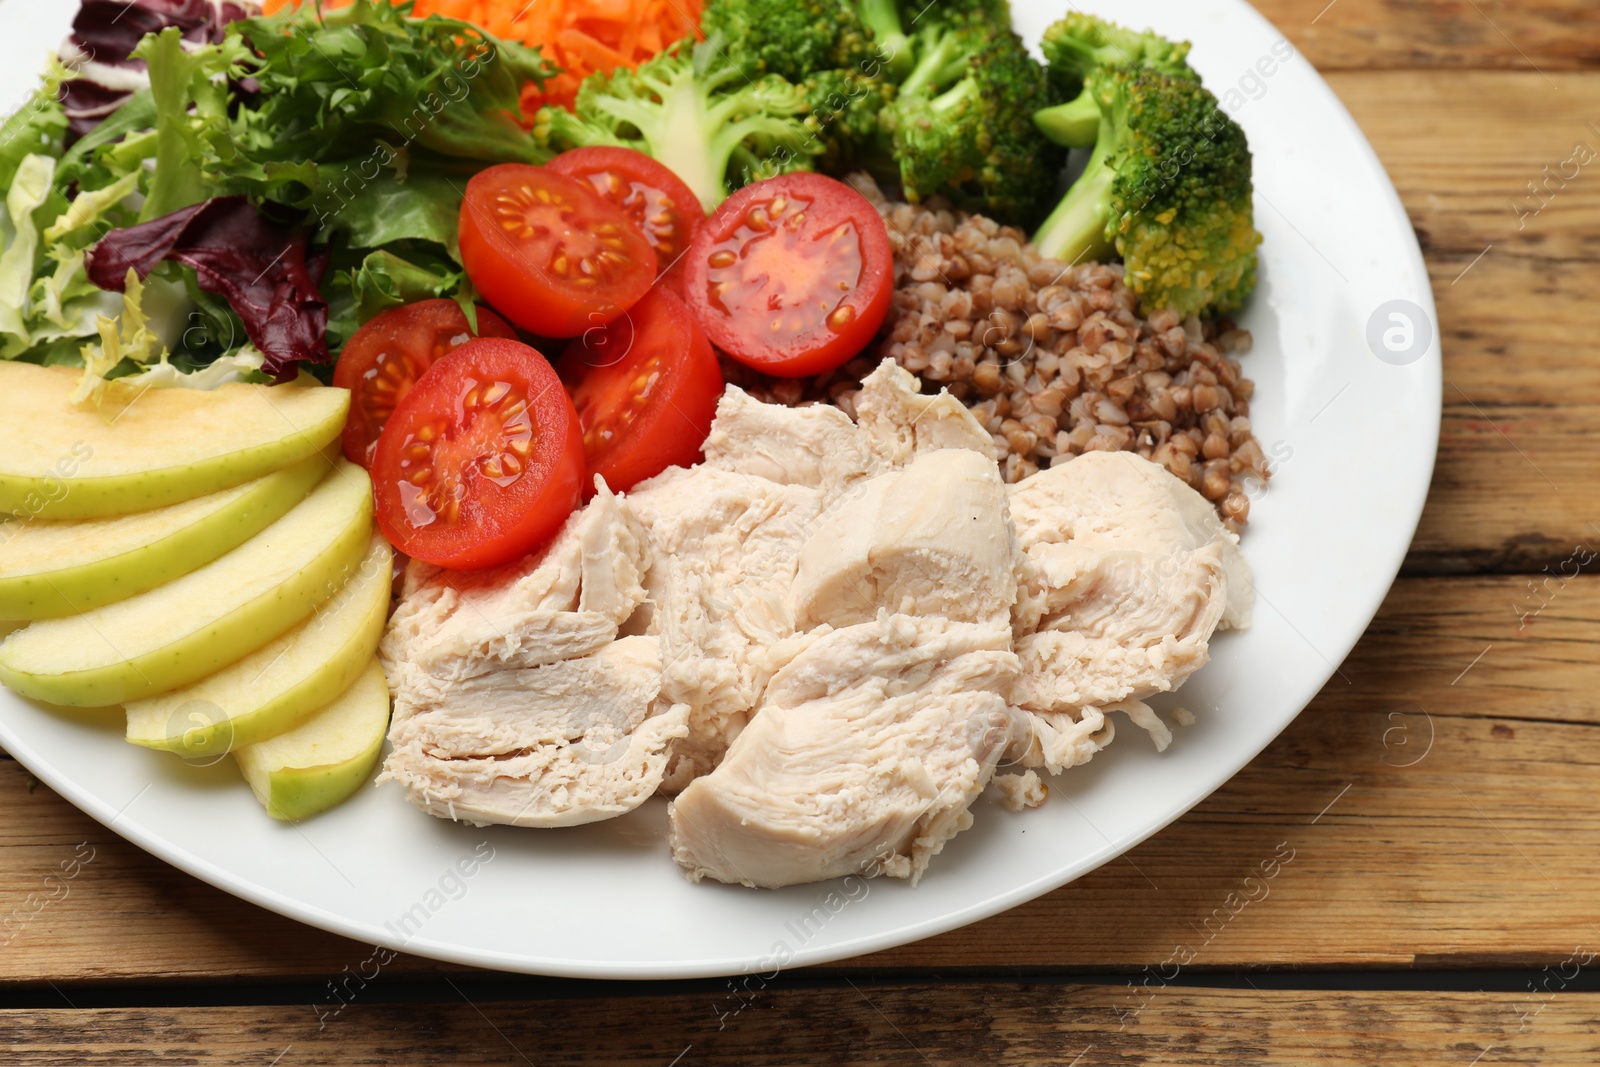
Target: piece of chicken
x,y
899,421
555,745
725,537
1118,500
1127,574
725,545
513,701
869,747
931,539
565,600
815,446
819,446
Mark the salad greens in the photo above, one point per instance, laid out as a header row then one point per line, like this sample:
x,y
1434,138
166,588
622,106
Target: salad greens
x,y
104,35
279,181
260,268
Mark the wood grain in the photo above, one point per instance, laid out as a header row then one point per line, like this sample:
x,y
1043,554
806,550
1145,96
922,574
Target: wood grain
x,y
1439,808
1542,35
1066,1025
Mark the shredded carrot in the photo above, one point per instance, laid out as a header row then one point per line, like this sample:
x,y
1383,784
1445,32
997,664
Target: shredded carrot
x,y
579,36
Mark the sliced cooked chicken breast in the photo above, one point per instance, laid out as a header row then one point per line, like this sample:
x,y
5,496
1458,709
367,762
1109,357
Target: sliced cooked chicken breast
x,y
1127,573
565,600
555,745
725,545
816,446
507,682
1118,500
822,639
899,421
870,745
931,539
725,537
1117,624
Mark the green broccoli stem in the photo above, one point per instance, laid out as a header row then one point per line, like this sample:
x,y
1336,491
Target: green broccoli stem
x,y
1076,229
882,17
1074,124
684,133
945,60
951,98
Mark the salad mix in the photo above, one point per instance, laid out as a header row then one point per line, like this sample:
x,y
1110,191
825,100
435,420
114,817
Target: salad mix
x,y
201,192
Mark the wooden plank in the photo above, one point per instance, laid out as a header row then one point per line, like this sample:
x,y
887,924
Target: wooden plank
x,y
1511,489
1462,149
1542,35
1076,1025
1452,776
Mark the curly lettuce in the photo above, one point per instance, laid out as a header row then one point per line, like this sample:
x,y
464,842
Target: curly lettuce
x,y
354,130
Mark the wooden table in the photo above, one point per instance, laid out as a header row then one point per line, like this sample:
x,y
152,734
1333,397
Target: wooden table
x,y
1441,806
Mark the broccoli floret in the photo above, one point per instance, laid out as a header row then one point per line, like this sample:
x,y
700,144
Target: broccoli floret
x,y
893,27
992,14
1168,188
1079,44
942,56
790,38
962,124
695,111
844,108
1076,46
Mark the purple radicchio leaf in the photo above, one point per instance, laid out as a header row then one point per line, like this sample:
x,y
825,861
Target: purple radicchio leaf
x,y
261,268
106,31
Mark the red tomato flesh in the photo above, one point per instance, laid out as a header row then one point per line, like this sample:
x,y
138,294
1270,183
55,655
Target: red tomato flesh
x,y
482,461
384,359
550,253
660,205
645,388
792,275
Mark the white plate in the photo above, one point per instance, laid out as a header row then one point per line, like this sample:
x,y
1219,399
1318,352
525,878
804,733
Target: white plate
x,y
1355,436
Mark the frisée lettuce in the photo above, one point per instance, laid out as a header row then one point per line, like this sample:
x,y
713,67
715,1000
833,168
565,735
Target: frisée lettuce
x,y
252,166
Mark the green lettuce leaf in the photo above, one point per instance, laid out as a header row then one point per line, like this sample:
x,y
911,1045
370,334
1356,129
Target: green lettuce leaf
x,y
89,206
410,205
383,279
336,83
36,128
30,190
127,337
190,92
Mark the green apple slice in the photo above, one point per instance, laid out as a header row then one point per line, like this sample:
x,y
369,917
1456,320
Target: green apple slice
x,y
325,759
275,687
49,569
142,450
209,618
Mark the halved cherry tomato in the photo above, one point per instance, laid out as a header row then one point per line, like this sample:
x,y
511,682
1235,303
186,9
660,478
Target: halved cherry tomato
x,y
666,211
482,461
384,359
791,275
646,389
550,253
